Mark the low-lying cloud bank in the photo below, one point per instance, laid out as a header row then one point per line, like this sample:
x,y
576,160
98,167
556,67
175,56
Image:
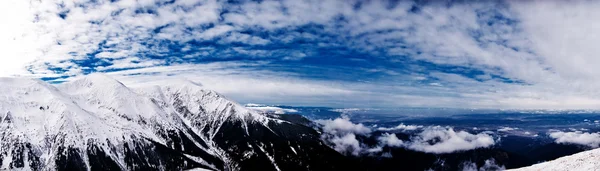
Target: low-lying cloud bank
x,y
401,127
577,137
489,165
390,140
270,109
342,135
506,129
343,126
446,140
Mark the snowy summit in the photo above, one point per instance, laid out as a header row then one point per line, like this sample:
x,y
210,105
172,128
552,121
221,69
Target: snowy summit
x,y
96,122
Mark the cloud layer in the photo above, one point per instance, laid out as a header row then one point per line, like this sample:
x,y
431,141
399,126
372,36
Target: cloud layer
x,y
491,54
342,134
446,140
489,165
270,109
577,137
401,127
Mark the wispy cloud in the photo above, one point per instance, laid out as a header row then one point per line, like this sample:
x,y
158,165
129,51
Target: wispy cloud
x,y
270,109
501,54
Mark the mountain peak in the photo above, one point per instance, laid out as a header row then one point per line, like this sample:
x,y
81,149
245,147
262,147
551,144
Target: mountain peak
x,y
96,79
96,122
22,82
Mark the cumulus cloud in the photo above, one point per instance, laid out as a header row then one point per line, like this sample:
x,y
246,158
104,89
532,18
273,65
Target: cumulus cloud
x,y
347,143
390,140
577,137
342,134
446,140
341,126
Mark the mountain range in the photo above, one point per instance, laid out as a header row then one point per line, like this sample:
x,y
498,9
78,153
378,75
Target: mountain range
x,y
98,123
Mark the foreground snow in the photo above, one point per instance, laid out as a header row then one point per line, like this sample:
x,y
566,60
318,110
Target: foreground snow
x,y
584,161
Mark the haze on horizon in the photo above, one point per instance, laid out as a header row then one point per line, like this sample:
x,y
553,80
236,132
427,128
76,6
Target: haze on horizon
x,y
338,53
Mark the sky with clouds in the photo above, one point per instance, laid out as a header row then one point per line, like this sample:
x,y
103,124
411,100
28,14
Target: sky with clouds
x,y
338,53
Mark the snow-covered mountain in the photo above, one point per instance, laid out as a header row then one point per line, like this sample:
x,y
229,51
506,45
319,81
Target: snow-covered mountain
x,y
584,161
97,123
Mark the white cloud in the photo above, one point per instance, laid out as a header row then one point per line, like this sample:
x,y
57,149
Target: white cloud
x,y
489,165
390,140
341,133
401,127
577,137
215,31
546,45
347,143
506,129
17,38
245,85
343,126
48,38
272,109
130,62
446,140
244,38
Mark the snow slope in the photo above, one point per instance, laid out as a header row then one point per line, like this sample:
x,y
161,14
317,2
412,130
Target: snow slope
x,y
97,123
584,161
40,123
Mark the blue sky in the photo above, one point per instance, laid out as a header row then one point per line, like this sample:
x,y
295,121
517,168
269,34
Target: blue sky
x,y
338,53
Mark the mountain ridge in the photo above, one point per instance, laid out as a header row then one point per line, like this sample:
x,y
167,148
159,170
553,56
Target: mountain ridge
x,y
98,123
